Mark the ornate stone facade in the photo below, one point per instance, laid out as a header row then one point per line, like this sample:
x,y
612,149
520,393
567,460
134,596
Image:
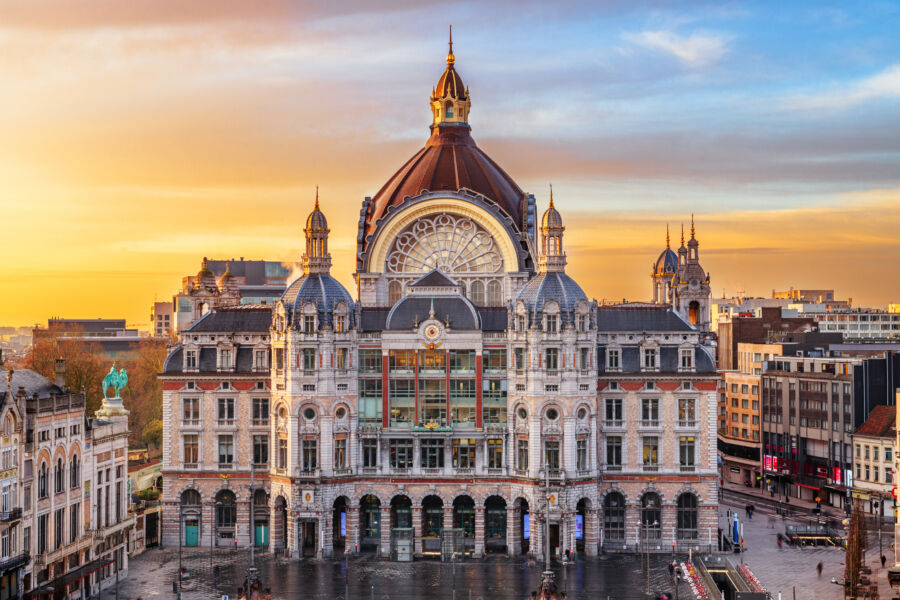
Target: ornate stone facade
x,y
467,398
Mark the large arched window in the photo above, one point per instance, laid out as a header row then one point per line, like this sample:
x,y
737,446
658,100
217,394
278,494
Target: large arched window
x,y
453,244
687,516
651,516
614,517
694,312
190,498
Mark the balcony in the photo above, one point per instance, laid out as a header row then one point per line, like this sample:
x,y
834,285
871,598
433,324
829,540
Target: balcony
x,y
687,423
687,468
15,562
259,423
650,468
8,516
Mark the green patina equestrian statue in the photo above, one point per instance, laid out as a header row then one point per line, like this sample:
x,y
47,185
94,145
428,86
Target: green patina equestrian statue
x,y
118,380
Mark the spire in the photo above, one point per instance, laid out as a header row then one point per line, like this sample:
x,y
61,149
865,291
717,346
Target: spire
x,y
450,58
667,236
317,198
682,234
692,225
551,195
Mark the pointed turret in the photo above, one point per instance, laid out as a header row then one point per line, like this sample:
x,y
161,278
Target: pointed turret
x,y
450,97
316,259
552,258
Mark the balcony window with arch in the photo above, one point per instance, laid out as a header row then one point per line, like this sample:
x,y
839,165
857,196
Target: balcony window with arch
x,y
74,472
687,517
60,479
614,517
42,480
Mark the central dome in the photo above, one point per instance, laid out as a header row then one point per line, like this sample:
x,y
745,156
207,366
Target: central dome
x,y
450,160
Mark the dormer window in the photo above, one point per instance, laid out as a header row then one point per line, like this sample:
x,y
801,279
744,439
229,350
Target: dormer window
x,y
551,324
225,359
686,362
521,323
581,322
613,356
651,358
309,324
260,360
190,359
340,323
448,111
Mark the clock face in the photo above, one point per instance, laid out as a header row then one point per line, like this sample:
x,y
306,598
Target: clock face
x,y
432,332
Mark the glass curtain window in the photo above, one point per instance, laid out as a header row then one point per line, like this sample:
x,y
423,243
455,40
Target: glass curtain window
x,y
402,398
493,400
369,400
462,402
433,401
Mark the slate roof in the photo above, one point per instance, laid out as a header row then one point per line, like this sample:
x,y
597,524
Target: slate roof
x,y
882,422
413,309
554,285
434,278
639,319
321,289
31,381
238,318
207,361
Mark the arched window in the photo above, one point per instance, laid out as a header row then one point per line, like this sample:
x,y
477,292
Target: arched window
x,y
225,509
60,476
395,291
494,294
74,471
42,481
651,516
190,498
693,312
476,291
614,517
687,517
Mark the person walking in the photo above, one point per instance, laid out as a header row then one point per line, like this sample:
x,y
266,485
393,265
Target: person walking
x,y
819,569
883,560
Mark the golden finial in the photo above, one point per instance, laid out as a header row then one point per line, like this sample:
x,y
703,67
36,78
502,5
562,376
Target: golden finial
x,y
682,234
317,198
551,195
692,225
667,236
450,58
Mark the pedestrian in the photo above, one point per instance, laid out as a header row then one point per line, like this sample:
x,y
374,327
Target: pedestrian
x,y
883,560
819,569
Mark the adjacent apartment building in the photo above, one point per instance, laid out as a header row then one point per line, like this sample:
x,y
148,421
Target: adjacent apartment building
x,y
874,456
67,522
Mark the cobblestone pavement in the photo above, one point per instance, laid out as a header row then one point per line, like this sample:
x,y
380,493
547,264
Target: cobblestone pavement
x,y
787,569
618,577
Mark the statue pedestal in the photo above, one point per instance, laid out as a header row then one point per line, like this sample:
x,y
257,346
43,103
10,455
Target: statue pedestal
x,y
111,409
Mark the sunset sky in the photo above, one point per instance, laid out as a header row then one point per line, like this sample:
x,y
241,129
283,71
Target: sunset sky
x,y
137,137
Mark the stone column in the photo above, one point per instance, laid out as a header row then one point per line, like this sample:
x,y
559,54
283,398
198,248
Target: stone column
x,y
207,524
385,544
327,524
513,535
591,532
276,534
243,525
479,530
535,546
351,544
417,527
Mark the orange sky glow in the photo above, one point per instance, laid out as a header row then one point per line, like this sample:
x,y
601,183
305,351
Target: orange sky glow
x,y
135,143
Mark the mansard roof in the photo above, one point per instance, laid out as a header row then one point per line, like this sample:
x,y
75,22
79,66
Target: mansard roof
x,y
32,381
248,317
640,319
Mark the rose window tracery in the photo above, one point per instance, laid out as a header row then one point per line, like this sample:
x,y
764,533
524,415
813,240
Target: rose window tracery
x,y
446,242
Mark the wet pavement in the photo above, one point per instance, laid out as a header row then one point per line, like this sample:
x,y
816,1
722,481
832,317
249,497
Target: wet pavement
x,y
617,577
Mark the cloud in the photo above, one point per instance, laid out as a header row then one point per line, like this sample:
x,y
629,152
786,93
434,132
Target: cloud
x,y
696,50
884,85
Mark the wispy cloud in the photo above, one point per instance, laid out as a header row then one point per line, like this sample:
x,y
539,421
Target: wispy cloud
x,y
884,85
696,50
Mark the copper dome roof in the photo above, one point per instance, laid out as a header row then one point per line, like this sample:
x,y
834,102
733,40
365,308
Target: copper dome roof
x,y
449,161
450,84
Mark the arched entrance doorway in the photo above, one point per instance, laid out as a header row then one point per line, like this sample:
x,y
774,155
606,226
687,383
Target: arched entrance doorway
x,y
261,519
370,523
523,517
651,517
401,512
226,518
464,519
495,524
191,517
581,515
339,524
432,524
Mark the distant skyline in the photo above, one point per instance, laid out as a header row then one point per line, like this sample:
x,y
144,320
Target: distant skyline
x,y
139,137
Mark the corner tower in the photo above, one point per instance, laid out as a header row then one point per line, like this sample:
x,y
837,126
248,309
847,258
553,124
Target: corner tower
x,y
692,291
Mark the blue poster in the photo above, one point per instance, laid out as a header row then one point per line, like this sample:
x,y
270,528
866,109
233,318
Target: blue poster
x,y
343,524
579,527
526,534
736,537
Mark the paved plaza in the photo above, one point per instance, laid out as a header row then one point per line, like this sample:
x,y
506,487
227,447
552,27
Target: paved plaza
x,y
792,570
619,577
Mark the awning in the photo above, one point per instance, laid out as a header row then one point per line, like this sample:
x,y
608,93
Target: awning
x,y
809,487
49,588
